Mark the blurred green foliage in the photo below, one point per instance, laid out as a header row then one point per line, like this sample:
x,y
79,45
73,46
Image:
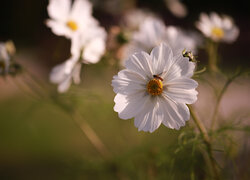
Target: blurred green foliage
x,y
39,140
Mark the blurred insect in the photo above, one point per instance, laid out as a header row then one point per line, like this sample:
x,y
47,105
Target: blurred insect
x,y
157,77
189,55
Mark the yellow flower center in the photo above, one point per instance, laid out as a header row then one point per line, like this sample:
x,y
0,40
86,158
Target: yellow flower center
x,y
72,25
155,86
218,32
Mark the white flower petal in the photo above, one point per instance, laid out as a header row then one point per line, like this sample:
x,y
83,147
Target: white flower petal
x,y
64,85
129,106
204,28
187,67
140,63
59,9
81,10
91,41
227,22
162,58
59,28
62,74
204,18
128,82
182,95
57,74
182,83
94,50
151,117
178,113
216,20
231,35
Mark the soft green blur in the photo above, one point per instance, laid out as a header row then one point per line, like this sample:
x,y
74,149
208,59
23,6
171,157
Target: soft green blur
x,y
39,140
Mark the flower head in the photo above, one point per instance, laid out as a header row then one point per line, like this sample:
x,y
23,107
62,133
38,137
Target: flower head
x,y
155,89
68,19
88,39
218,28
152,32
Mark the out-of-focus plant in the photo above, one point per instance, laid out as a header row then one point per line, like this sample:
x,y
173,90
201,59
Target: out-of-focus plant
x,y
75,21
8,65
217,29
88,43
152,32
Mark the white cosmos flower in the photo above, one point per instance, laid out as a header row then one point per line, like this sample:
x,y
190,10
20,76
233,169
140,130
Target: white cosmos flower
x,y
90,45
64,73
218,28
155,89
68,19
85,48
152,32
88,39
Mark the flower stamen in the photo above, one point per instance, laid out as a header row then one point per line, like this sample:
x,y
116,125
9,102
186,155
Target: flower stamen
x,y
218,32
72,25
155,86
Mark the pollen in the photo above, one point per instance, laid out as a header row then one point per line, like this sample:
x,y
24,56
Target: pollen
x,y
72,25
155,87
218,32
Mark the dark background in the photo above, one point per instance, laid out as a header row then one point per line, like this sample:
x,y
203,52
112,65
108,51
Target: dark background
x,y
23,22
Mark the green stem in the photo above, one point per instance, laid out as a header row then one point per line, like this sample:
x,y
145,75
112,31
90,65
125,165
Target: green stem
x,y
226,85
83,125
90,134
207,142
212,51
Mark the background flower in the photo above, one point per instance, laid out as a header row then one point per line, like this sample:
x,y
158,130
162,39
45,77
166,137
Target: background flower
x,y
218,28
152,32
67,19
87,39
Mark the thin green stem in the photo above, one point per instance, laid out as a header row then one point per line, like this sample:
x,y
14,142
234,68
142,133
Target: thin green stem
x,y
207,142
90,134
199,125
222,92
39,90
212,50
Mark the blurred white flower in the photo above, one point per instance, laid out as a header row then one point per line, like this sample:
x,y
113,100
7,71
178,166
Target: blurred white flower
x,y
133,18
152,32
68,19
88,39
64,73
90,45
155,89
218,28
4,59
